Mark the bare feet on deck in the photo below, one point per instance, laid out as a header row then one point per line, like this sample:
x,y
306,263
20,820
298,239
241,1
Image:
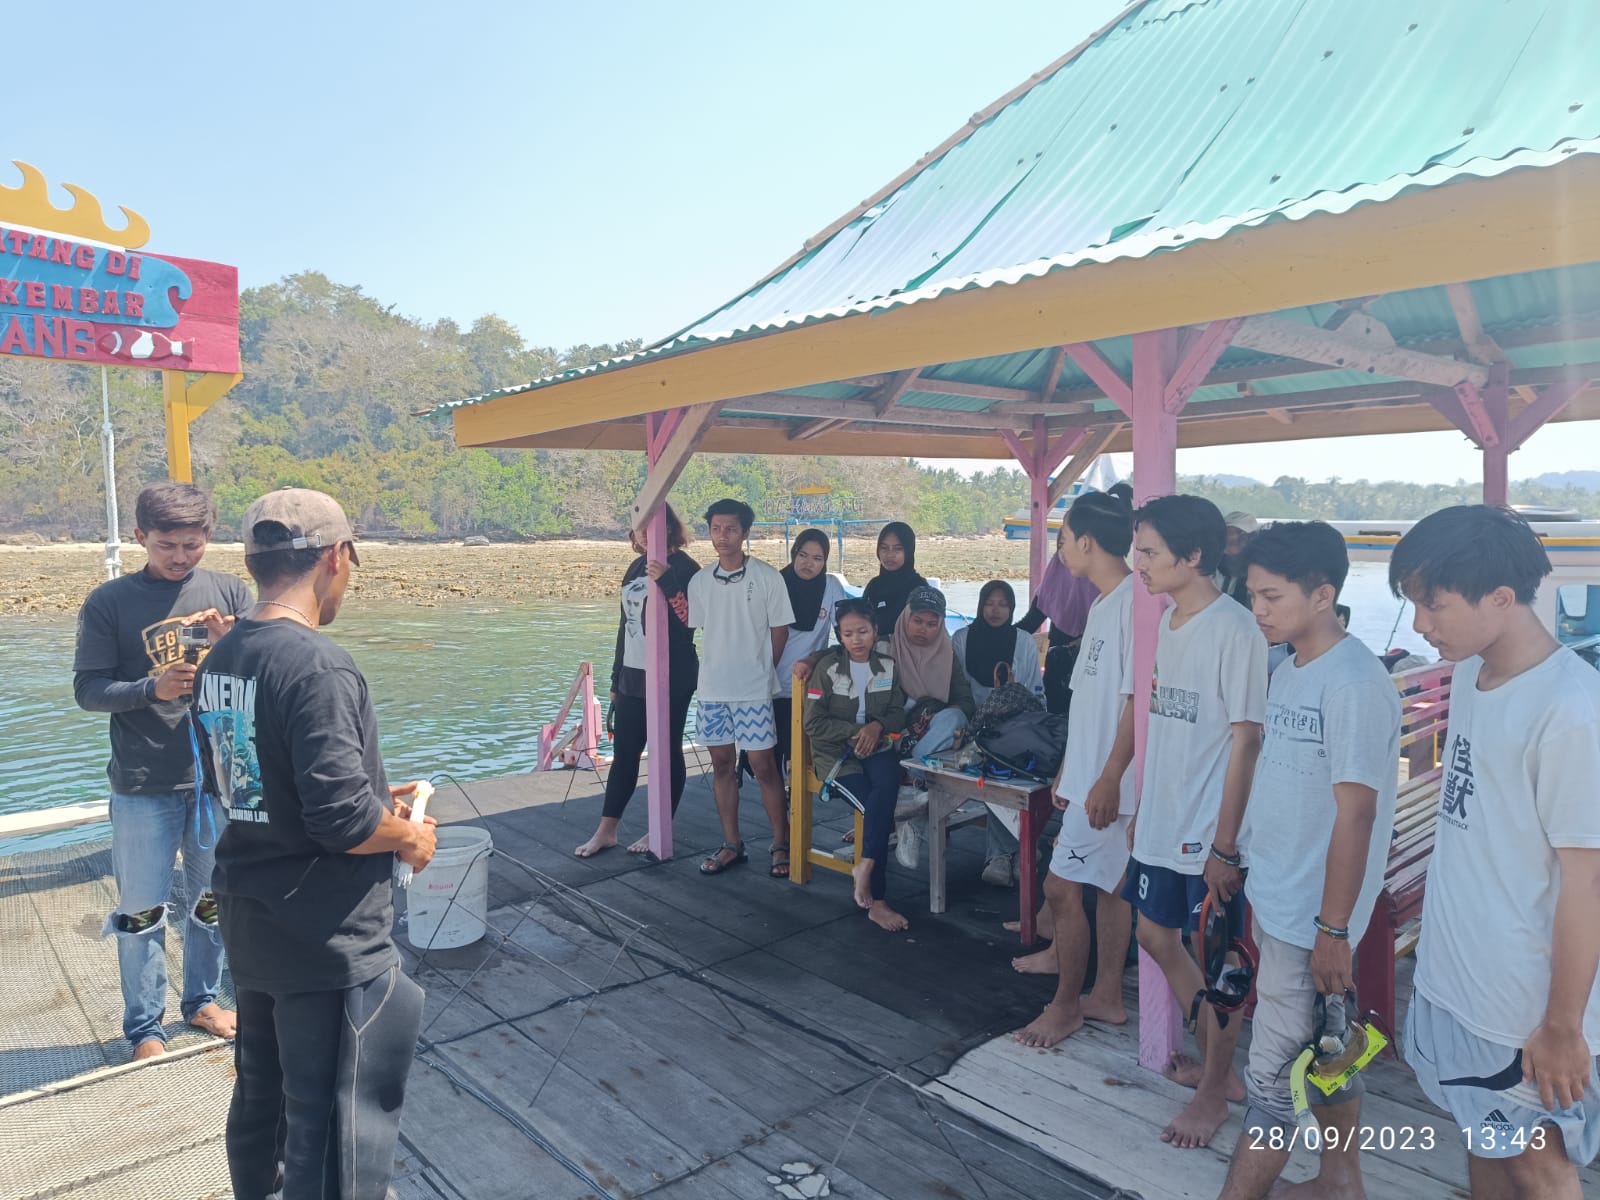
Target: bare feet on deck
x,y
1317,1188
1044,925
642,846
861,873
217,1021
1198,1123
149,1048
1040,962
1186,1072
1107,1014
1055,1024
600,841
884,917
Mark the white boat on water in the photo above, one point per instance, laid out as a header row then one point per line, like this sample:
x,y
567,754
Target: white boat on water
x,y
1569,603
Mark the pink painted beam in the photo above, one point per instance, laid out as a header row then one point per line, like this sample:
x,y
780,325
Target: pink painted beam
x,y
1200,354
1449,406
659,428
1495,400
1474,405
1155,473
1545,406
1103,374
666,426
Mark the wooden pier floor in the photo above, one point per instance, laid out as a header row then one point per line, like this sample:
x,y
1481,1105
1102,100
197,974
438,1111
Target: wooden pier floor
x,y
632,1028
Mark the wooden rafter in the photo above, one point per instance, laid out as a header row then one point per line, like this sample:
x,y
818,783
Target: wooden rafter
x,y
1090,449
1293,339
1479,345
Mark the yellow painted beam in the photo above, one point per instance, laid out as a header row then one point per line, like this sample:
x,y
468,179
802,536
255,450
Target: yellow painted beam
x,y
175,404
208,389
181,403
1523,220
1195,430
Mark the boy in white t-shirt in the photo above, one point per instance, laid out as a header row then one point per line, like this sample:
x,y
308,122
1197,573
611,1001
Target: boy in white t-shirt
x,y
743,605
1504,1025
1317,829
1094,788
1207,702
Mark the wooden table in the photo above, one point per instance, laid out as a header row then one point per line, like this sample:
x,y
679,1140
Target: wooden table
x,y
948,789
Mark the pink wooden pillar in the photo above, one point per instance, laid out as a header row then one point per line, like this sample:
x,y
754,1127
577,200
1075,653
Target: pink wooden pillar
x,y
658,682
1039,459
670,440
1497,449
1166,370
1155,473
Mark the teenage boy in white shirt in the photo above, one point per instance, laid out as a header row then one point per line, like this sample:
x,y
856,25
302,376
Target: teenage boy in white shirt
x,y
1318,827
1207,703
1094,788
743,605
1504,1025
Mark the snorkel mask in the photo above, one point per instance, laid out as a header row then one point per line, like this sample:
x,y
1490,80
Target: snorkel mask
x,y
1228,983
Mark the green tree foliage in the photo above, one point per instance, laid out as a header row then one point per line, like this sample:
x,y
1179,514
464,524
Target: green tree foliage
x,y
335,380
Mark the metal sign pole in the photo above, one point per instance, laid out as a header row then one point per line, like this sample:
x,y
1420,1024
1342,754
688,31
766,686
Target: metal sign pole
x,y
108,441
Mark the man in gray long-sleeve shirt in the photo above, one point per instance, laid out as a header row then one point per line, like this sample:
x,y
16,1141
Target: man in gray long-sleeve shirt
x,y
131,662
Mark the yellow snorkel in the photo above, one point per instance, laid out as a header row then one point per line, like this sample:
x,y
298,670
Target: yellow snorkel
x,y
1342,1046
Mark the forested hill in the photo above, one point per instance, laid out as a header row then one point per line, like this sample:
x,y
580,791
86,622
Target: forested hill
x,y
333,376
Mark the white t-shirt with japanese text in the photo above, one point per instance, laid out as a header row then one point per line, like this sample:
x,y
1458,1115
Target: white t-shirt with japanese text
x,y
1102,681
1211,673
738,610
1521,781
1334,720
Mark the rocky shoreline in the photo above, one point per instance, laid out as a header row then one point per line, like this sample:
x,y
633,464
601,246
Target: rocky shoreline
x,y
45,580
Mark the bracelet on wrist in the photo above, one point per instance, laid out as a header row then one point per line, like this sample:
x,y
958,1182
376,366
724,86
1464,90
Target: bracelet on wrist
x,y
1338,933
1233,860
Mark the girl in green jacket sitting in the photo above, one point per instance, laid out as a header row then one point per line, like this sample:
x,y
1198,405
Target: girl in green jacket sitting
x,y
853,702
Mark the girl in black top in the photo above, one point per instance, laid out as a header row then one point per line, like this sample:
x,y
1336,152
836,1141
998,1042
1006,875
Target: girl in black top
x,y
886,592
628,679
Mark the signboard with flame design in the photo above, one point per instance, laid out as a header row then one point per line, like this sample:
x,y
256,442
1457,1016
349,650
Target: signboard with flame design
x,y
72,288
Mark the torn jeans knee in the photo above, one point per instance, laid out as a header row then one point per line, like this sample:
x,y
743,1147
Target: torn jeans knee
x,y
204,912
135,924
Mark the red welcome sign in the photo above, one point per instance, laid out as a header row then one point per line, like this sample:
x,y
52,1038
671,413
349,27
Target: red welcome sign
x,y
85,301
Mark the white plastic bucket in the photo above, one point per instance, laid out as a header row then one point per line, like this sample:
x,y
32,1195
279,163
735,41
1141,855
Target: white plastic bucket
x,y
459,872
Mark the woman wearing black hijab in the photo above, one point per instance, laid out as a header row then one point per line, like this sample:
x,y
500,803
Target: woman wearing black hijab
x,y
897,575
812,594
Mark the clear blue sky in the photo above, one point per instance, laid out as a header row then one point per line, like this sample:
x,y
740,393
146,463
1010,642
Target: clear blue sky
x,y
589,171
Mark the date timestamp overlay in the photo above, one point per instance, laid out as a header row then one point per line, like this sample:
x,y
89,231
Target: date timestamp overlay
x,y
1364,1137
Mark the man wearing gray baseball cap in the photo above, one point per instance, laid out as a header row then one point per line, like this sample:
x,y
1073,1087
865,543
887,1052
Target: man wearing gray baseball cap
x,y
327,1022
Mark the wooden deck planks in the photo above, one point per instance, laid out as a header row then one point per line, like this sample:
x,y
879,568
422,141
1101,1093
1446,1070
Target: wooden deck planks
x,y
1102,1111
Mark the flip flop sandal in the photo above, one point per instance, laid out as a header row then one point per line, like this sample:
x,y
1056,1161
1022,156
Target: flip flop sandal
x,y
715,866
779,870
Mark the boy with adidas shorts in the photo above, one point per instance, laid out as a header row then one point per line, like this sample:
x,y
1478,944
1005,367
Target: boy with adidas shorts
x,y
1207,702
1094,789
1504,1024
1317,828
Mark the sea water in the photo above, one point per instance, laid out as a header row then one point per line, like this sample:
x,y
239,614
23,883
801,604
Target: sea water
x,y
461,689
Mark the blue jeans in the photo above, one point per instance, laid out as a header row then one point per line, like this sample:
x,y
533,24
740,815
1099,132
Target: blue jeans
x,y
146,834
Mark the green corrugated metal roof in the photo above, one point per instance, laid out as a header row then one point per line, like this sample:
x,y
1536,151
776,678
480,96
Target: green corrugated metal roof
x,y
1190,119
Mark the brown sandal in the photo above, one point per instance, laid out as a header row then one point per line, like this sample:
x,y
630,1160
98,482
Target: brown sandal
x,y
779,870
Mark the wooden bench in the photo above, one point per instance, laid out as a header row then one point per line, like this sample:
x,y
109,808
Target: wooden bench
x,y
803,788
1392,933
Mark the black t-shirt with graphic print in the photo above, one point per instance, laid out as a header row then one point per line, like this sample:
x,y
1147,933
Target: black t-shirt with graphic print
x,y
128,633
293,753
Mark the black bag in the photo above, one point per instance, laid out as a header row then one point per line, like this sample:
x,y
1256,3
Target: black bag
x,y
1030,745
1009,699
